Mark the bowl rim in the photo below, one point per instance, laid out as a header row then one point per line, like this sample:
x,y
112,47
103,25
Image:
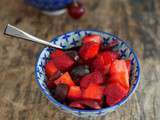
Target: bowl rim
x,y
65,107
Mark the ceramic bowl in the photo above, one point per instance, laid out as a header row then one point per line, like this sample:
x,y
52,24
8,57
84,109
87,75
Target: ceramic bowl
x,y
51,7
73,39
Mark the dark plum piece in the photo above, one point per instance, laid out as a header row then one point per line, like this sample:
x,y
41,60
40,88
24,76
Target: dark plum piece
x,y
111,46
76,104
80,71
61,92
73,54
55,76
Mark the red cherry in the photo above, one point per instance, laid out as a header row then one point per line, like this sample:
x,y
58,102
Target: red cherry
x,y
76,10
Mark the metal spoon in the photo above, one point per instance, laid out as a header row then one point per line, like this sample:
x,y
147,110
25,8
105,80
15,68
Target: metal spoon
x,y
16,32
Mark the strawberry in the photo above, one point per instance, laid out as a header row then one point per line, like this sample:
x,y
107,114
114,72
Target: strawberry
x,y
119,73
90,103
76,104
93,92
50,69
114,93
74,92
62,60
65,79
56,53
94,77
92,38
89,50
128,63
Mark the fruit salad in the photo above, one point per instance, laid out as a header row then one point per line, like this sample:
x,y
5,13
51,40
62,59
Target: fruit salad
x,y
92,76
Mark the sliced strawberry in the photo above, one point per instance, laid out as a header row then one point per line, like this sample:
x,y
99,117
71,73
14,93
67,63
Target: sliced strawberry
x,y
93,92
128,63
74,92
92,38
90,103
114,93
65,79
94,77
63,62
119,73
56,53
50,69
89,50
76,104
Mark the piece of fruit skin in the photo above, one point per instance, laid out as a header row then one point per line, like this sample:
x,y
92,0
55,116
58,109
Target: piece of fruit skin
x,y
76,10
61,92
89,50
92,38
94,77
93,92
50,68
119,73
65,79
74,92
62,61
114,93
76,104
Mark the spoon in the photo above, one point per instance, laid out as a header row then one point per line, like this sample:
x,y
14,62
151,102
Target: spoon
x,y
16,32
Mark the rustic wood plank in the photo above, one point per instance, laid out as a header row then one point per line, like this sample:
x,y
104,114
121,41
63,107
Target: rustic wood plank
x,y
137,21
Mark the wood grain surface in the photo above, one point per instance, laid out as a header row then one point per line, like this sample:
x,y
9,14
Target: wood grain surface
x,y
137,21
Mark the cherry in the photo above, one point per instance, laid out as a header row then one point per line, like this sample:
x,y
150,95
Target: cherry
x,y
76,10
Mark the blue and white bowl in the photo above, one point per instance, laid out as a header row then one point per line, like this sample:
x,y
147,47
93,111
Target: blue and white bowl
x,y
73,39
51,7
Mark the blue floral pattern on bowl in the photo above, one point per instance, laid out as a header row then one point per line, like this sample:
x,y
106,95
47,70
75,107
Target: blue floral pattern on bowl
x,y
49,5
73,39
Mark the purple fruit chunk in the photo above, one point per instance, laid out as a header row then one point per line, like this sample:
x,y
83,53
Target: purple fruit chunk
x,y
61,92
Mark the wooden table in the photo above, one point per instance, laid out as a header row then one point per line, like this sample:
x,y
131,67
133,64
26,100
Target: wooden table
x,y
137,21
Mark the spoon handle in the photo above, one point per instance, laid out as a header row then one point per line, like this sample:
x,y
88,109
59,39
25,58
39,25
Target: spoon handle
x,y
16,32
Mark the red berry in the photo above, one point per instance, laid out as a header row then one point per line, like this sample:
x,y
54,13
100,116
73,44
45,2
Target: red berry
x,y
128,63
56,53
76,10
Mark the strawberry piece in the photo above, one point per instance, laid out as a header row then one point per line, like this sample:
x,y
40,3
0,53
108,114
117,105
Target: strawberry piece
x,y
128,63
90,103
74,92
65,79
94,77
93,92
56,53
62,60
92,38
89,50
76,104
114,93
119,73
50,69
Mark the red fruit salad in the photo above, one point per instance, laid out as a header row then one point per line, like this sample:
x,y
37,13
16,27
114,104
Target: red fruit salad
x,y
92,76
